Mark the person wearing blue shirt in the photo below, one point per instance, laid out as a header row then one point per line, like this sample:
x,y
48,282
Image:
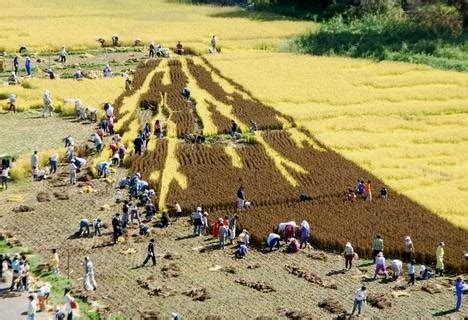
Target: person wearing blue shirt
x,y
460,287
28,66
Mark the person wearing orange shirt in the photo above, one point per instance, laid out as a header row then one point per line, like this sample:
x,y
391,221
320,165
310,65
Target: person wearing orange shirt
x,y
368,190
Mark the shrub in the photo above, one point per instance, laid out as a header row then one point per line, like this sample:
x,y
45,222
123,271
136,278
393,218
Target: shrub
x,y
439,17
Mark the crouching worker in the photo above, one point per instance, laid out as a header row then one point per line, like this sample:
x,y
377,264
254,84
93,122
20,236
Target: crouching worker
x,y
273,241
103,168
186,93
293,245
144,229
242,251
84,227
165,221
397,269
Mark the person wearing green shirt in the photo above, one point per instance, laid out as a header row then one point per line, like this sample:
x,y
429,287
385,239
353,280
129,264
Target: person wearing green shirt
x,y
377,246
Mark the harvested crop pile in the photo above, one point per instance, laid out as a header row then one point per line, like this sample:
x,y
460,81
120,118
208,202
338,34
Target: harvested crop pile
x,y
61,196
154,288
332,305
297,314
229,269
318,255
431,287
43,197
172,256
198,294
150,315
23,208
310,276
257,285
170,270
379,300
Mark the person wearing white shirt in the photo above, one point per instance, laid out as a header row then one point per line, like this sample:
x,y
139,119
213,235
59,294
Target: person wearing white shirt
x,y
273,240
68,301
359,299
397,269
72,168
34,160
349,255
380,265
53,160
32,307
4,177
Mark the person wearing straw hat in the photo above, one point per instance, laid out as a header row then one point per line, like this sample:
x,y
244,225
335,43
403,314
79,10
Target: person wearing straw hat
x,y
349,255
440,259
380,265
408,250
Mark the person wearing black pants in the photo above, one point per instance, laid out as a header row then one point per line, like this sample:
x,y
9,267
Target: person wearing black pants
x,y
117,227
150,253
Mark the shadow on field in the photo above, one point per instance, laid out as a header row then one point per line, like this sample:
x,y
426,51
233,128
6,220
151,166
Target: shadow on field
x,y
444,313
252,15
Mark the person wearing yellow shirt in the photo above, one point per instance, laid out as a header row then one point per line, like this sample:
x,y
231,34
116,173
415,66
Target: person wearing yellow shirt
x,y
55,262
440,259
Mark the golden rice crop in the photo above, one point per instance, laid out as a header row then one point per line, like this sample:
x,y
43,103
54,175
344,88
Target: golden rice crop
x,y
407,124
51,24
90,92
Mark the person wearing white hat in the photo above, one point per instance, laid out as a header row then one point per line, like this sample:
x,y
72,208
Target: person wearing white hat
x,y
380,265
32,307
47,98
349,255
63,55
197,216
397,269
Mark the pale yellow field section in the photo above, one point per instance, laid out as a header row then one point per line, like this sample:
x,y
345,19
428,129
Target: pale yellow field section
x,y
408,124
91,92
49,24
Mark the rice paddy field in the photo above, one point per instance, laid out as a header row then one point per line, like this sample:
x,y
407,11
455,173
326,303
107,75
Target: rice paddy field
x,y
323,122
405,123
47,25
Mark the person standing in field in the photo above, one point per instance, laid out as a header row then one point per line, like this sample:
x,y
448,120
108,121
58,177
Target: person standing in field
x,y
72,169
89,281
232,228
377,246
4,177
12,102
157,129
63,55
16,64
460,288
70,303
304,233
197,221
440,259
368,190
384,193
117,225
47,98
28,66
240,198
34,160
55,262
214,44
32,307
359,300
223,233
138,143
53,160
408,250
360,188
150,253
349,255
152,50
411,271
